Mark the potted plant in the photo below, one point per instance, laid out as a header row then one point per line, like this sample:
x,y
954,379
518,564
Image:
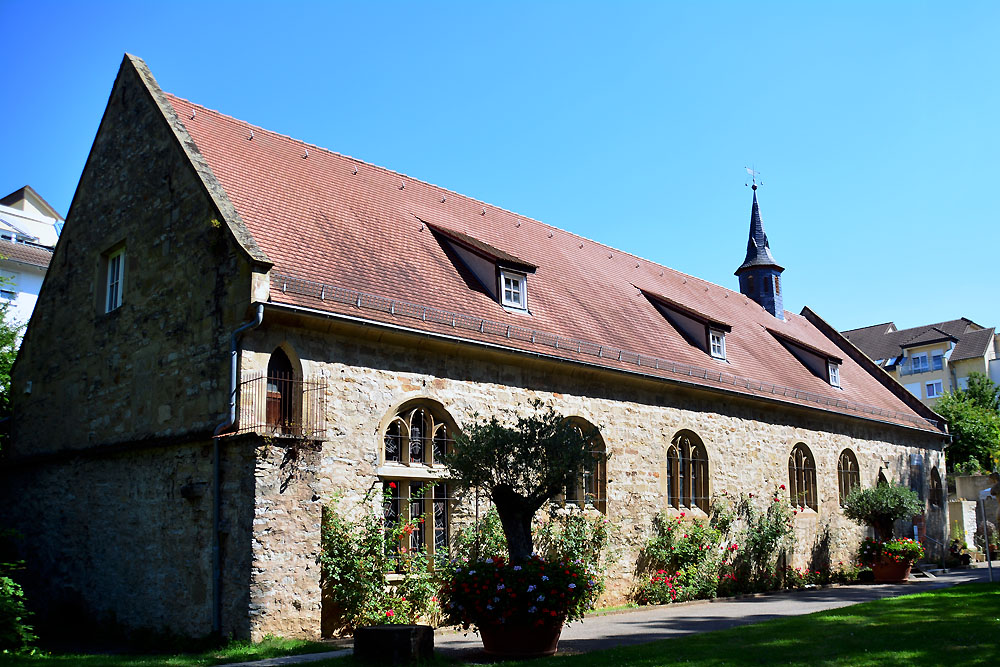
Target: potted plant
x,y
879,507
519,609
519,604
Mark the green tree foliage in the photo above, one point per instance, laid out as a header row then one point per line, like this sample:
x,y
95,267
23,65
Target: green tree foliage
x,y
973,416
880,506
16,634
10,339
520,463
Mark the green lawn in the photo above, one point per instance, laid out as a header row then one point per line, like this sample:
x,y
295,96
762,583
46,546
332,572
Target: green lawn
x,y
954,626
237,651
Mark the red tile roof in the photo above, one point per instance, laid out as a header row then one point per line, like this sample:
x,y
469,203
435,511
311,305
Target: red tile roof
x,y
25,254
336,228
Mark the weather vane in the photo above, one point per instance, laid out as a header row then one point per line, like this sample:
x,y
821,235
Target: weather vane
x,y
753,177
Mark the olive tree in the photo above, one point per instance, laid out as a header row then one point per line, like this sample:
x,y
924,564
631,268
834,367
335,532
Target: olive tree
x,y
520,463
881,506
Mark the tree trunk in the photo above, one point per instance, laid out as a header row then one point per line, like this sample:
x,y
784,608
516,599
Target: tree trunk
x,y
515,516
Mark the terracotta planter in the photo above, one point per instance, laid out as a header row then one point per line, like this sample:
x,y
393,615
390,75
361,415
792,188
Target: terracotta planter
x,y
888,571
514,640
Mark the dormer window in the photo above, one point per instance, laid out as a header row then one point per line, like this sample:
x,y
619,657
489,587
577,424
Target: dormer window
x,y
700,330
822,364
513,290
717,343
834,372
502,275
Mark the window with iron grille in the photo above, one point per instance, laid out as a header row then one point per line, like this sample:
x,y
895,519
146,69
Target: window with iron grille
x,y
591,487
802,478
687,472
416,436
423,509
413,444
848,474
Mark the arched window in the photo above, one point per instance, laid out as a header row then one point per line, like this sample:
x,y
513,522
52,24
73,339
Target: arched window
x,y
416,435
281,401
687,472
413,442
592,488
881,477
848,474
802,477
937,493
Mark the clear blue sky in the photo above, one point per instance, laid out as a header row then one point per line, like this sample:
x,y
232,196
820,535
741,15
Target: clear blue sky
x,y
875,127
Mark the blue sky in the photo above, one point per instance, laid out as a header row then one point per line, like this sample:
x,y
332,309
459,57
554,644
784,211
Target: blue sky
x,y
875,127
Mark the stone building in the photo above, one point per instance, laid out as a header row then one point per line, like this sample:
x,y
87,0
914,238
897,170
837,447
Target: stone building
x,y
264,324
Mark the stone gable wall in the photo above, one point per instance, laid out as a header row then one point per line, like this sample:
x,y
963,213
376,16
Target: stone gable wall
x,y
748,444
158,365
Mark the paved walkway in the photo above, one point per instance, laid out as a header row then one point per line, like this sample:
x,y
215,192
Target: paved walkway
x,y
639,626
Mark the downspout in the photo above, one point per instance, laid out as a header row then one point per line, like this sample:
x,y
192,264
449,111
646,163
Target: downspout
x,y
234,355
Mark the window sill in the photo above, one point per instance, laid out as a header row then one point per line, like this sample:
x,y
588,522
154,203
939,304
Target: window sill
x,y
414,471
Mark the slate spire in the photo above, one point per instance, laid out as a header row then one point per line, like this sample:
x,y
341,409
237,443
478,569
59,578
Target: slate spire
x,y
758,248
759,274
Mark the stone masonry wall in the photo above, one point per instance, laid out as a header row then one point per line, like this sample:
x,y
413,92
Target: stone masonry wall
x,y
748,445
156,367
111,411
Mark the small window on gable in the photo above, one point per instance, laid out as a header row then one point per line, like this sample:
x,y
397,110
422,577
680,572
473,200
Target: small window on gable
x,y
834,369
115,282
717,343
513,290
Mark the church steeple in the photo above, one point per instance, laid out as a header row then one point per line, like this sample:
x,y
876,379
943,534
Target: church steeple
x,y
760,275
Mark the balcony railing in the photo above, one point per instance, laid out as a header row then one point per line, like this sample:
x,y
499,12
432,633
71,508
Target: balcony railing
x,y
281,406
908,367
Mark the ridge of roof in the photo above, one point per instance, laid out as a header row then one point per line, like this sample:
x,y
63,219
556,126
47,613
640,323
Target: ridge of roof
x,y
883,377
870,326
446,190
27,189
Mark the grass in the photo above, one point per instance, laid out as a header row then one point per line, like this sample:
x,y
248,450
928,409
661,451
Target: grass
x,y
953,626
234,651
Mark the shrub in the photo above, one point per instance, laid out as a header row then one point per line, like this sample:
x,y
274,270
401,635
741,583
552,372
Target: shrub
x,y
15,632
574,535
881,506
757,536
482,540
660,588
358,553
690,549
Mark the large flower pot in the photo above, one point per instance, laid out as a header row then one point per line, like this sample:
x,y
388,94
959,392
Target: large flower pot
x,y
889,571
515,640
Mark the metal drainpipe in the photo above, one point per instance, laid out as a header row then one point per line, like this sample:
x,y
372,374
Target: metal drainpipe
x,y
217,472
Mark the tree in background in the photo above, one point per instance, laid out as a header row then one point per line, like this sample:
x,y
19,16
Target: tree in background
x,y
973,416
10,339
